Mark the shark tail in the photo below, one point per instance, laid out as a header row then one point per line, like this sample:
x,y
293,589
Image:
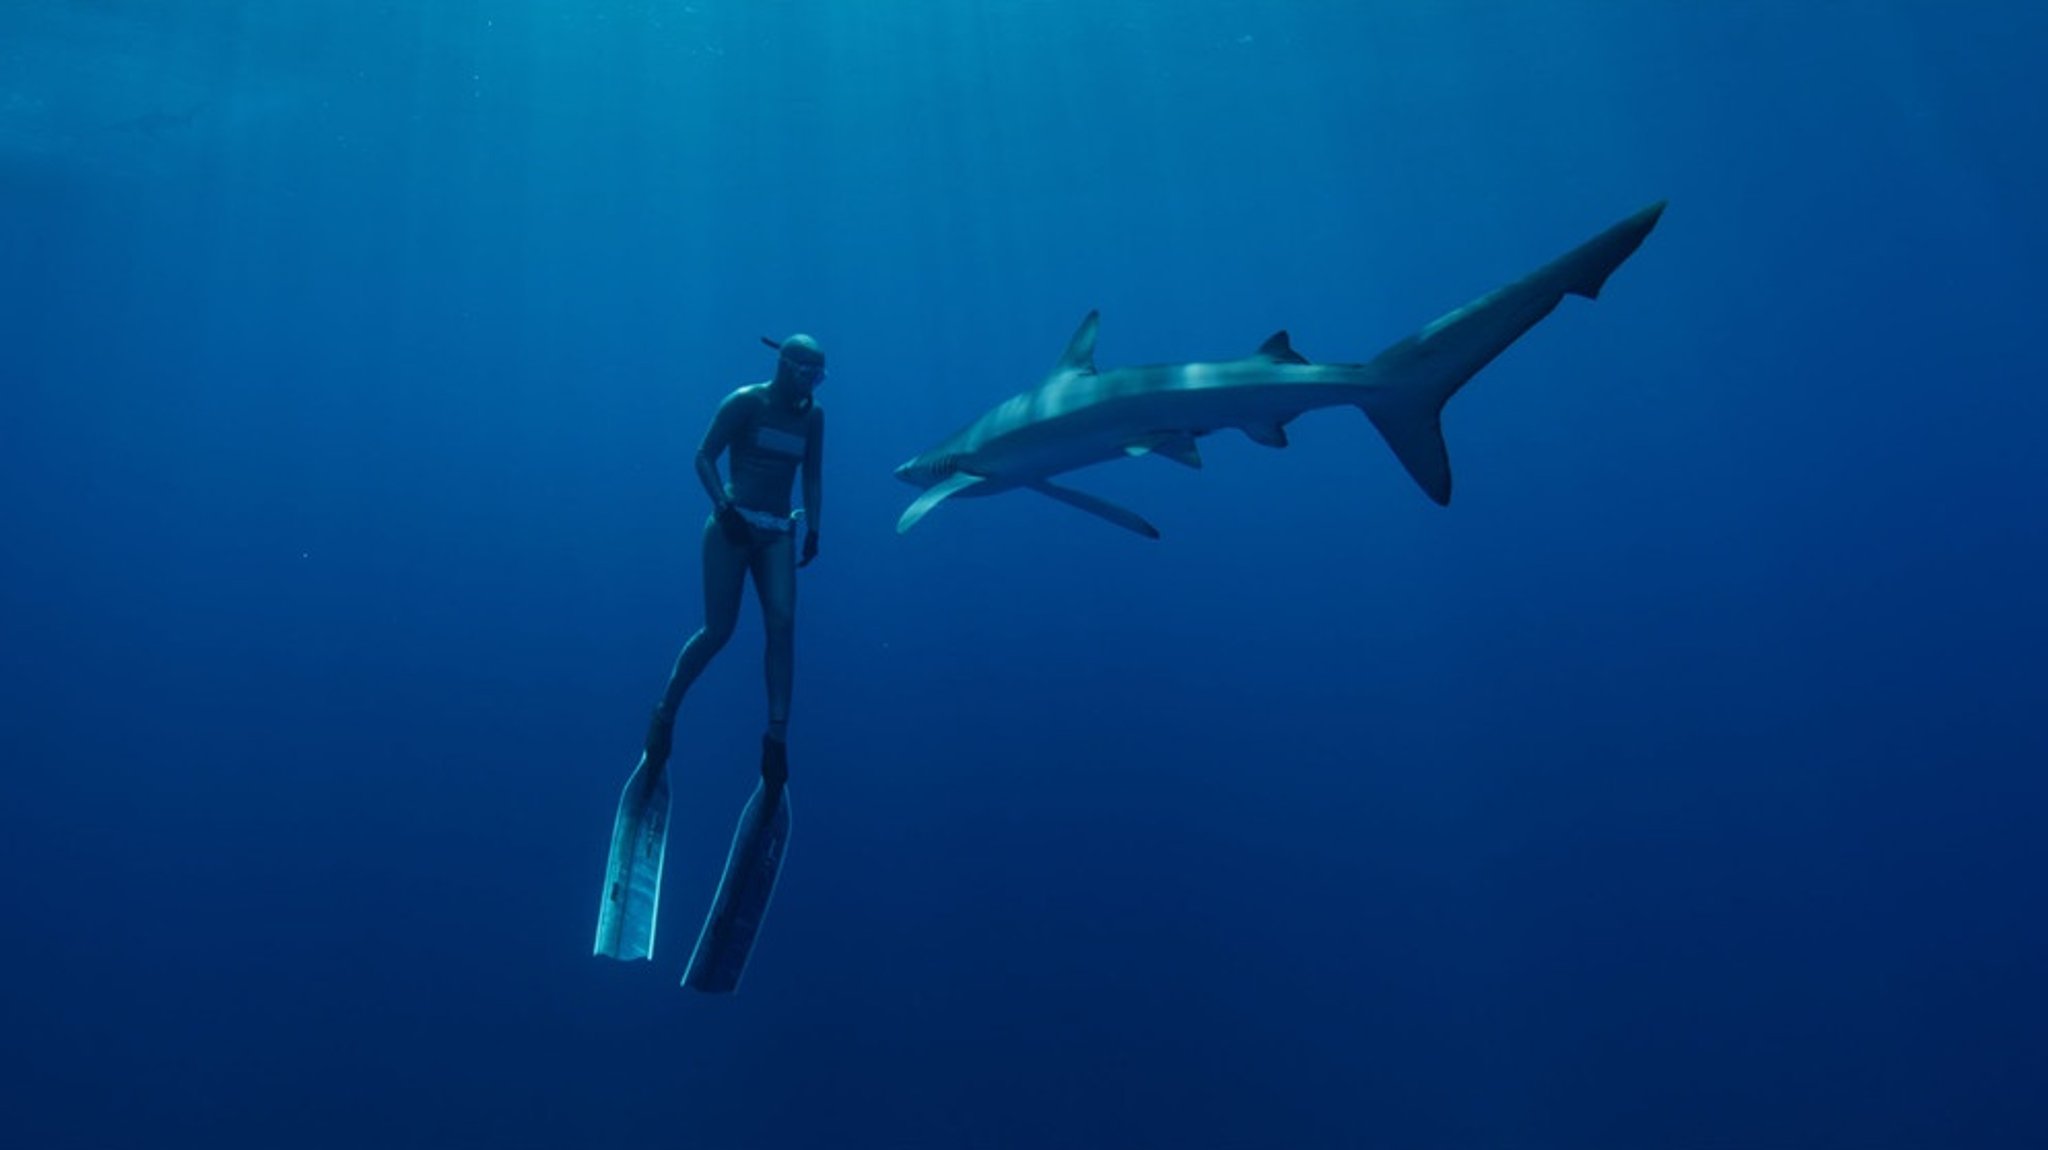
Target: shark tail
x,y
1414,429
1445,355
1584,270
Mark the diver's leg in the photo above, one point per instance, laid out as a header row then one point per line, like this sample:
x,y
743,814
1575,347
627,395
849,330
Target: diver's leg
x,y
774,565
725,570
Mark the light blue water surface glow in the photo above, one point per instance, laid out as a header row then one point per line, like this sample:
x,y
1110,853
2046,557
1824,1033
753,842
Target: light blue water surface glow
x,y
1680,784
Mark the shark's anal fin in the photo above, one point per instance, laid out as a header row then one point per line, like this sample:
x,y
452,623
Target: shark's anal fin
x,y
1126,519
1266,434
1178,446
932,497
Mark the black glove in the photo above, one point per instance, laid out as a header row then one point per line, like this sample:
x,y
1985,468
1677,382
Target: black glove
x,y
738,531
810,548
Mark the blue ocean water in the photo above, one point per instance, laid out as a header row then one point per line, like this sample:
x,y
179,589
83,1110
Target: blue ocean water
x,y
1678,785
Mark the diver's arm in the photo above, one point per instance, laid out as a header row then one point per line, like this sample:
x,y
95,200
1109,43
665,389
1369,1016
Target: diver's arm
x,y
726,424
814,459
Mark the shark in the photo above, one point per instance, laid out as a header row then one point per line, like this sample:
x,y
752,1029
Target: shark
x,y
1079,415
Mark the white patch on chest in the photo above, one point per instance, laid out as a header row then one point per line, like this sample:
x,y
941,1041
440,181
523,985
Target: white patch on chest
x,y
779,442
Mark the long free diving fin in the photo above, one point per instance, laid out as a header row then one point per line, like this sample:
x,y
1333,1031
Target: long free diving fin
x,y
743,892
632,878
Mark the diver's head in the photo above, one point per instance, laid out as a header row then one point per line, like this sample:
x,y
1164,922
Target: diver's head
x,y
800,367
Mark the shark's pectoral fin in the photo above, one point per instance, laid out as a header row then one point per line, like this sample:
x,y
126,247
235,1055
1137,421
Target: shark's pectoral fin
x,y
1126,519
1266,434
1177,446
933,496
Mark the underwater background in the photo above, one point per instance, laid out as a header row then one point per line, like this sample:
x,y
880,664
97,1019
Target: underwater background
x,y
1680,784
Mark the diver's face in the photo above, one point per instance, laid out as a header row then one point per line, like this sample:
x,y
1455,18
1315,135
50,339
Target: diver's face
x,y
803,372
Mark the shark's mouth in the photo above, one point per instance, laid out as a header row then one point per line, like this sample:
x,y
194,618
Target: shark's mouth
x,y
923,472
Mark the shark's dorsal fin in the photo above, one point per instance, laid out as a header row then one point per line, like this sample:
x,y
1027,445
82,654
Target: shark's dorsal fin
x,y
932,497
1178,446
1277,349
1080,353
1122,517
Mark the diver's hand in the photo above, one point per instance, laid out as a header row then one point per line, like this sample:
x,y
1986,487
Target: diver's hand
x,y
738,531
810,548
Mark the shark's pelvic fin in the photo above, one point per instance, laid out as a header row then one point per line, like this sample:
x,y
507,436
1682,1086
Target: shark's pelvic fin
x,y
1177,446
1277,349
1126,519
933,496
1266,434
1080,353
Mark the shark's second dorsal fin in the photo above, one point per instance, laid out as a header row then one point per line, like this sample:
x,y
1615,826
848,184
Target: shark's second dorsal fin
x,y
1277,349
1080,353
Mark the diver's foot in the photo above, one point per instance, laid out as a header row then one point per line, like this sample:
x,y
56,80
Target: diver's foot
x,y
774,760
661,729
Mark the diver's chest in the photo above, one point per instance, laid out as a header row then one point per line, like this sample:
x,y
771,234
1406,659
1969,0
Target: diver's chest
x,y
776,438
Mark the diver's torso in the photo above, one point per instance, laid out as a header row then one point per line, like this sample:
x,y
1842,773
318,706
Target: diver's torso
x,y
763,458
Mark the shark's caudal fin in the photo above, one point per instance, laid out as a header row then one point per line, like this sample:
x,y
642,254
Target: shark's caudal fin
x,y
1423,371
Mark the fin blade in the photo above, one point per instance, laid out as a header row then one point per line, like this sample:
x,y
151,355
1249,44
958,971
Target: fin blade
x,y
627,912
934,495
1099,507
744,892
